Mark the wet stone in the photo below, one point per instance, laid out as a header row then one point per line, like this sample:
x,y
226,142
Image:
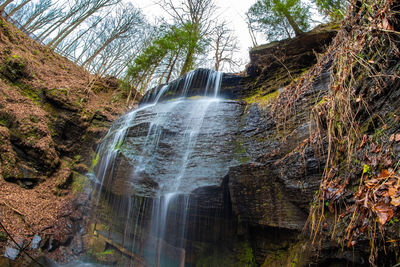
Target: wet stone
x,y
11,253
175,140
36,242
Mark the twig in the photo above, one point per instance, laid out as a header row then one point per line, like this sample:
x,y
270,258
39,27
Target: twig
x,y
15,210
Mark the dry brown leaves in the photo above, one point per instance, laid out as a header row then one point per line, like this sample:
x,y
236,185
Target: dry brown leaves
x,y
25,212
38,211
380,194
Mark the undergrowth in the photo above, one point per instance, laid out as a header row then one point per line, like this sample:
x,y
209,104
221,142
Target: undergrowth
x,y
359,197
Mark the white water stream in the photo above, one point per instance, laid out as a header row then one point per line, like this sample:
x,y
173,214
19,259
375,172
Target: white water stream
x,y
168,207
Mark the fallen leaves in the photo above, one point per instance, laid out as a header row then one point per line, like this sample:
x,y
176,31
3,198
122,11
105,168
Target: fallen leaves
x,y
395,137
364,141
395,201
385,173
333,190
371,183
386,25
384,213
379,194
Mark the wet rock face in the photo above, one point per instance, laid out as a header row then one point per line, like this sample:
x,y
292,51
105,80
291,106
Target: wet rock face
x,y
260,199
161,146
231,87
296,52
272,193
273,66
239,168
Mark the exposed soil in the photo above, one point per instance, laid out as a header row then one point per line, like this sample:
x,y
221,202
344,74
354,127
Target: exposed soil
x,y
52,113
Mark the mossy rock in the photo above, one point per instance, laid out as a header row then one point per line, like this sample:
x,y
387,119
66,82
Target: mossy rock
x,y
296,255
15,68
263,99
245,255
97,244
79,183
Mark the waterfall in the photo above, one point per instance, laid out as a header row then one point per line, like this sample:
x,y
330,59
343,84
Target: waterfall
x,y
152,162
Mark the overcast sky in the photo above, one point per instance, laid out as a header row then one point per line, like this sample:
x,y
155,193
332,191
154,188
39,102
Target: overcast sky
x,y
232,11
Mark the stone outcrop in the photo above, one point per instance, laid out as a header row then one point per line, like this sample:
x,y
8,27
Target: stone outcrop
x,y
275,65
273,193
231,87
212,155
267,177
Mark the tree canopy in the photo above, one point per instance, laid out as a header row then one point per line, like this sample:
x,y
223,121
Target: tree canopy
x,y
279,19
334,9
161,55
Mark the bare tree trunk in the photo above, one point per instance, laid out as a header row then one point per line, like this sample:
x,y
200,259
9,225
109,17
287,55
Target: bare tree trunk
x,y
172,67
12,12
32,18
98,51
101,69
287,31
52,28
80,36
71,13
149,78
171,59
292,23
251,31
217,57
64,33
3,6
43,20
188,61
97,5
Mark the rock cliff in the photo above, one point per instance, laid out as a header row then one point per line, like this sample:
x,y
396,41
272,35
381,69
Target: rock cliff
x,y
329,162
249,177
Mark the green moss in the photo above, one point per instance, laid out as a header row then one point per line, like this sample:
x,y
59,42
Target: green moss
x,y
119,145
295,255
239,149
240,152
244,160
261,98
28,91
261,139
6,30
106,252
77,158
33,119
58,91
14,68
79,183
211,256
4,121
321,102
366,169
378,133
245,255
95,161
78,103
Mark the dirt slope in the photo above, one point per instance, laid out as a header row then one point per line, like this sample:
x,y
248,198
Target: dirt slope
x,y
52,112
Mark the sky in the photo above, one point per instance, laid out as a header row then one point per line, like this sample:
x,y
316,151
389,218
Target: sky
x,y
233,11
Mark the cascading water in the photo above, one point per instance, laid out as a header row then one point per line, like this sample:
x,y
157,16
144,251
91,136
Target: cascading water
x,y
153,161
